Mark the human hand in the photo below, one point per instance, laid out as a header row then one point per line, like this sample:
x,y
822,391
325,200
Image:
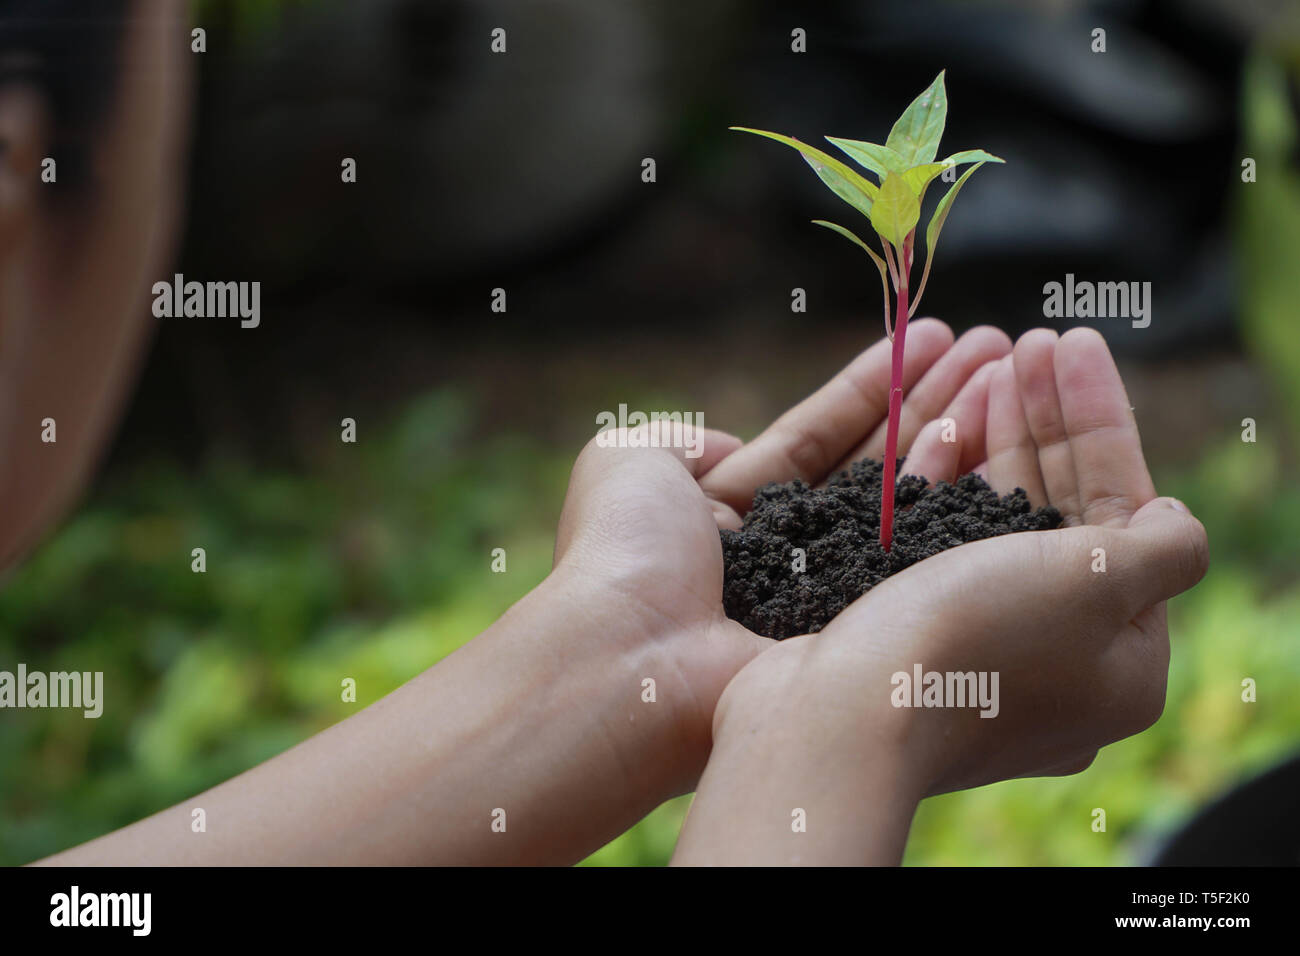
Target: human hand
x,y
1081,654
1059,424
639,532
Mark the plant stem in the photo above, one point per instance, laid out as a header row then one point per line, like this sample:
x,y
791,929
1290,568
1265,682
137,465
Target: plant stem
x,y
895,401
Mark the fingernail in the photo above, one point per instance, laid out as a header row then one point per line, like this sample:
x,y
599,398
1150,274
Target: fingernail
x,y
1179,506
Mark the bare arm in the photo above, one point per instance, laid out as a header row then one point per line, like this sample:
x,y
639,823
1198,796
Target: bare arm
x,y
538,717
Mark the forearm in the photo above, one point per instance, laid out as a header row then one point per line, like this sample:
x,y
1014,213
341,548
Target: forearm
x,y
529,726
793,782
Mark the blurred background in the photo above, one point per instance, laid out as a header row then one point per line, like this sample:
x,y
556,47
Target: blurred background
x,y
523,171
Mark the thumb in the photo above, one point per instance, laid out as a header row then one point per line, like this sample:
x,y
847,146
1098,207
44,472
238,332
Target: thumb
x,y
619,467
698,448
1168,552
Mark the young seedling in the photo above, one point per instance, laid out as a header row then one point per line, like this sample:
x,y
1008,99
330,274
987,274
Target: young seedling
x,y
904,167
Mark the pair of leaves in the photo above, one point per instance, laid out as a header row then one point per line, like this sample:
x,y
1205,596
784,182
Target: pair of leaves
x,y
905,167
894,215
914,140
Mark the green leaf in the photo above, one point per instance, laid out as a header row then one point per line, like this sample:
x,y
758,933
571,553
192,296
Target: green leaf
x,y
852,237
855,189
972,156
875,257
919,177
915,137
932,231
941,211
896,210
879,159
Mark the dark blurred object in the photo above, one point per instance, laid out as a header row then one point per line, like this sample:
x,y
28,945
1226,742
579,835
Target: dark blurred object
x,y
1253,825
476,165
469,161
1118,163
522,171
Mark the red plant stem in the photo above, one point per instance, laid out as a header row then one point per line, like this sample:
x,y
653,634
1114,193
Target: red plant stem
x,y
895,403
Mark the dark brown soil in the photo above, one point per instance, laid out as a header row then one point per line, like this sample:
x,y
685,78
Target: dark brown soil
x,y
838,527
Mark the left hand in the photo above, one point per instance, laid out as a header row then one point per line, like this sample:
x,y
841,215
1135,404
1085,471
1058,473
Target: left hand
x,y
639,530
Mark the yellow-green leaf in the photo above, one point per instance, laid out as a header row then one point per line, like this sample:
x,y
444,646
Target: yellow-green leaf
x,y
915,137
918,177
932,231
879,159
855,189
973,156
875,257
941,211
896,210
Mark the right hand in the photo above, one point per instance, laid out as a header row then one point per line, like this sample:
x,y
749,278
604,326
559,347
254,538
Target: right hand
x,y
1082,655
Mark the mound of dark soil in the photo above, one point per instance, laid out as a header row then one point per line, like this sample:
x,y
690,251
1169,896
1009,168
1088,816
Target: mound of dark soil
x,y
838,528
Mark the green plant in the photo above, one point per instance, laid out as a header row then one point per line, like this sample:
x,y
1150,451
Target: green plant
x,y
1268,223
904,166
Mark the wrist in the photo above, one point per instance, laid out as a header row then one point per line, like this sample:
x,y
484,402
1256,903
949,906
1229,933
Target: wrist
x,y
799,775
818,706
625,679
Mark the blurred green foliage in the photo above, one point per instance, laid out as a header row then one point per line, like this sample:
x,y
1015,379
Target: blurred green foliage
x,y
357,567
1268,224
374,564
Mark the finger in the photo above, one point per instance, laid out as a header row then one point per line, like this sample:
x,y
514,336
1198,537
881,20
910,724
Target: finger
x,y
969,414
1110,471
954,443
675,454
931,457
1012,454
1034,360
713,447
811,438
1153,622
700,450
936,389
1163,552
1138,664
1066,768
724,516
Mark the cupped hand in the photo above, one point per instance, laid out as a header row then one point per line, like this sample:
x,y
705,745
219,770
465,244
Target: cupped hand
x,y
639,529
1072,621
